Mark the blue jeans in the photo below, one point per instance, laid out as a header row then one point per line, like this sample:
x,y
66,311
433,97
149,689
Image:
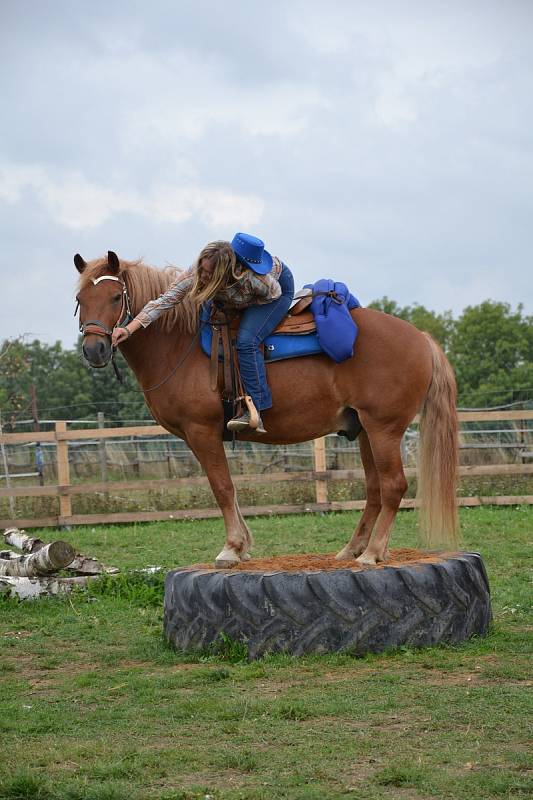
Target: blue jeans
x,y
257,323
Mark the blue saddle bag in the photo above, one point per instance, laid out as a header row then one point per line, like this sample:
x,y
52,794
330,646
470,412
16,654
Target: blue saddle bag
x,y
336,329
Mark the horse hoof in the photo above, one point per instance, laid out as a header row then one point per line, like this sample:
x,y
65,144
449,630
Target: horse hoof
x,y
246,557
226,563
367,559
227,558
345,554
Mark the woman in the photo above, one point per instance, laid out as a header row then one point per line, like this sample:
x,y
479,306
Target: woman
x,y
239,275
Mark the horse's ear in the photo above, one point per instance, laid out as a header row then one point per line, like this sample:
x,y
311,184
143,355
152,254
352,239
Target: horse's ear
x,y
79,262
114,263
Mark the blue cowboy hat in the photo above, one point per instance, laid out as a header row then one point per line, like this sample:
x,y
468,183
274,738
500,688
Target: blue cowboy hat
x,y
251,252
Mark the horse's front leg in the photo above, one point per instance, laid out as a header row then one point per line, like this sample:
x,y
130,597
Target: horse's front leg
x,y
211,454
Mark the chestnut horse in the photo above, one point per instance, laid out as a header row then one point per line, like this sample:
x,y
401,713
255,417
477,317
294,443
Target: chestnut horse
x,y
396,372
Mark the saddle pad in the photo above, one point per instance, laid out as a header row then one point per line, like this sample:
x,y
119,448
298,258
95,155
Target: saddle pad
x,y
276,346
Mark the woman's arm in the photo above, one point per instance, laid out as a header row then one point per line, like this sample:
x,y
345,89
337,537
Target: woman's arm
x,y
173,295
154,308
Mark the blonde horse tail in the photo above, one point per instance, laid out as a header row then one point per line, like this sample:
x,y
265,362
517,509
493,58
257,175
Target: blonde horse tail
x,y
438,456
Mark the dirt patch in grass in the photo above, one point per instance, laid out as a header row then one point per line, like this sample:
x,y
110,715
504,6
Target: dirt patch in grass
x,y
474,677
326,561
34,668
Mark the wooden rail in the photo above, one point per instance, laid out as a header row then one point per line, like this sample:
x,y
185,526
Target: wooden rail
x,y
64,490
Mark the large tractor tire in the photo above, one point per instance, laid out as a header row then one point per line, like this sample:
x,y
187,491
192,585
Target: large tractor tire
x,y
359,610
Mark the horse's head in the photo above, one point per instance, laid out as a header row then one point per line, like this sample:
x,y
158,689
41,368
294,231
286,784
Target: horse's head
x,y
103,305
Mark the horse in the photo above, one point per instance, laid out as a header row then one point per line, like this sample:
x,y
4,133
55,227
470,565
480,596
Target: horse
x,y
395,372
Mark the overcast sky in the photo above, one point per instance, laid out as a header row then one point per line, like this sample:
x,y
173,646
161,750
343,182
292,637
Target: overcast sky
x,y
385,144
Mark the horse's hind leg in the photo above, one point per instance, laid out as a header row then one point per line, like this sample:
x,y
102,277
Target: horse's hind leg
x,y
359,541
210,453
385,444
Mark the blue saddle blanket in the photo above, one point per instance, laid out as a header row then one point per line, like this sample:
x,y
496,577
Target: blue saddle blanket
x,y
335,335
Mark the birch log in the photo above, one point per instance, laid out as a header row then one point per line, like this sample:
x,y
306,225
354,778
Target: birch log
x,y
46,560
8,554
31,588
81,564
22,541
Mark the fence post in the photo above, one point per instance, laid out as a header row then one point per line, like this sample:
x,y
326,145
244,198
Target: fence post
x,y
6,473
102,448
63,470
321,487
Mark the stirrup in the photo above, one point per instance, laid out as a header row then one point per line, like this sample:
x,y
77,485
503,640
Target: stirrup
x,y
242,423
249,420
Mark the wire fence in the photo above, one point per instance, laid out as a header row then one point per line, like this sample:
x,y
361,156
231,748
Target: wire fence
x,y
165,456
100,469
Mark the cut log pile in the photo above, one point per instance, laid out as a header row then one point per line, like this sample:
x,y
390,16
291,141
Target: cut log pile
x,y
34,571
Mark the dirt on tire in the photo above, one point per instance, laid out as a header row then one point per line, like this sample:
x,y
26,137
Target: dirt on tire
x,y
326,561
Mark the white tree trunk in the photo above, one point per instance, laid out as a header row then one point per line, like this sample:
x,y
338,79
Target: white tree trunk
x,y
84,565
31,588
22,541
49,558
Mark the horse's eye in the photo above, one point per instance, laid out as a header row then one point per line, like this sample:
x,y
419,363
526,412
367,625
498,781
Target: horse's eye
x,y
116,298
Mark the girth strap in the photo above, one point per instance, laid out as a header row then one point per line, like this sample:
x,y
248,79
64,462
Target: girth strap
x,y
215,344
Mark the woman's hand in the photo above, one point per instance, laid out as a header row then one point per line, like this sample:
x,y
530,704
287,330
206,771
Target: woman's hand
x,y
120,335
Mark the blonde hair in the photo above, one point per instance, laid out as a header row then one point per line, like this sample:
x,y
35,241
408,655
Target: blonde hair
x,y
225,263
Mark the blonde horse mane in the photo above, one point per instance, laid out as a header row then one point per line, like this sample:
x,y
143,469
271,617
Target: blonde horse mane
x,y
145,283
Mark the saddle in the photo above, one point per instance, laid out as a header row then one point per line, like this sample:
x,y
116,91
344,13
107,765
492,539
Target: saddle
x,y
225,372
299,319
224,325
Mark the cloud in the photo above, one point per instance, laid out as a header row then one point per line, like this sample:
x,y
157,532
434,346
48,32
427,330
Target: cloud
x,y
74,202
386,145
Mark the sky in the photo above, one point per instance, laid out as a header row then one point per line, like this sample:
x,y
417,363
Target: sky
x,y
384,144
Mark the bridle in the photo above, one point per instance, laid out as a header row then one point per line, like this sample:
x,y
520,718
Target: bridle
x,y
98,328
125,316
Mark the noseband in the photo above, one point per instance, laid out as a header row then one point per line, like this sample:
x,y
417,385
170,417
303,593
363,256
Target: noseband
x,y
94,326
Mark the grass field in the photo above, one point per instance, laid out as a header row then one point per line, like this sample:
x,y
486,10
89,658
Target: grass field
x,y
95,705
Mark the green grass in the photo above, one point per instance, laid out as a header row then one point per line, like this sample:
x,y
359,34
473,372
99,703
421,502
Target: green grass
x,y
95,705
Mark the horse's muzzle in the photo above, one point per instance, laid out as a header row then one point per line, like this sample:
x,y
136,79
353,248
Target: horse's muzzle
x,y
97,351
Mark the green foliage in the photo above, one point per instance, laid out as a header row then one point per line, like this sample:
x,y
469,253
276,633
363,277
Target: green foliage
x,y
492,354
141,589
227,649
440,326
25,786
490,347
66,387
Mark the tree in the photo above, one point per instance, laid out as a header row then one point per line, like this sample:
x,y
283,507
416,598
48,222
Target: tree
x,y
440,326
491,350
66,386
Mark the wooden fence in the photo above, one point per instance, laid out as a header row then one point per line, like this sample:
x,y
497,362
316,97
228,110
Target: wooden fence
x,y
64,490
